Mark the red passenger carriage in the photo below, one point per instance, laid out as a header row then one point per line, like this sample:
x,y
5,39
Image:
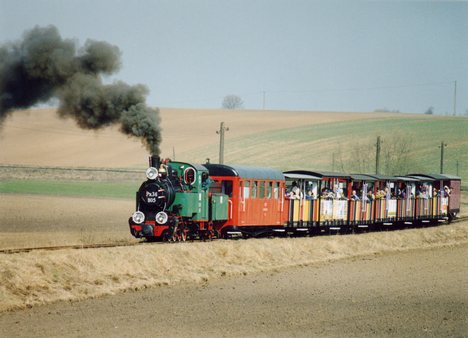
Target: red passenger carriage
x,y
256,198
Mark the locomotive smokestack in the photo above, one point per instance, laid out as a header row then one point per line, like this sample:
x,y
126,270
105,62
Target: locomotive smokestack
x,y
154,161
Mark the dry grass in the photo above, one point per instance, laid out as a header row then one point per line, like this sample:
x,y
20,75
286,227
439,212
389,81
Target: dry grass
x,y
42,277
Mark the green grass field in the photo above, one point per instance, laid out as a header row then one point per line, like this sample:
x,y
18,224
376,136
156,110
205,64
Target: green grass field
x,y
418,142
66,188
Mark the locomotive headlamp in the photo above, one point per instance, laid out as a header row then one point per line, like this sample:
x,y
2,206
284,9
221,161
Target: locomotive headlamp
x,y
138,217
152,173
161,217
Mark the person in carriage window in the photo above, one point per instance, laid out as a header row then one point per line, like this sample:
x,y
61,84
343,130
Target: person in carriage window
x,y
354,196
296,192
447,191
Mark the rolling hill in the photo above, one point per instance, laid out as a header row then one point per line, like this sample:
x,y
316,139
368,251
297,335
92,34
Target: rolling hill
x,y
282,139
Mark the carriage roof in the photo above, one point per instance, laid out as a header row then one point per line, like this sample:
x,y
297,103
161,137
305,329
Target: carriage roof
x,y
437,177
316,174
242,171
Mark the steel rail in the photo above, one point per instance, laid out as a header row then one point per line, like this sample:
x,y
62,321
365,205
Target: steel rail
x,y
63,247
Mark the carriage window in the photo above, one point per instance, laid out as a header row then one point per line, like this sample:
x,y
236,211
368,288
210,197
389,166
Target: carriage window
x,y
246,189
269,189
312,189
276,190
227,188
254,189
262,190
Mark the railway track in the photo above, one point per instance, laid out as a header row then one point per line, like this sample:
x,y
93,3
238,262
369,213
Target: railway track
x,y
62,247
107,245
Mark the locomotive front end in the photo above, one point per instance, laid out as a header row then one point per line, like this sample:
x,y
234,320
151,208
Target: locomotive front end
x,y
153,199
173,203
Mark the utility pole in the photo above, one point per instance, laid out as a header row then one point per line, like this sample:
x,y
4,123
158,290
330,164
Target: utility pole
x,y
455,99
333,161
221,131
173,153
458,165
264,97
377,156
442,146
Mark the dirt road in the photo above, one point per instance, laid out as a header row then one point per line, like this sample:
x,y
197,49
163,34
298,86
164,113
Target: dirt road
x,y
403,294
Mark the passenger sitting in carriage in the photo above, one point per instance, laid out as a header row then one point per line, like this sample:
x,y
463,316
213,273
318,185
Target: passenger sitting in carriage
x,y
380,194
401,193
295,192
354,196
447,191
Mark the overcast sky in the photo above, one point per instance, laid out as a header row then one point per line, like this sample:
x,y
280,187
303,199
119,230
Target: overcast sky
x,y
299,55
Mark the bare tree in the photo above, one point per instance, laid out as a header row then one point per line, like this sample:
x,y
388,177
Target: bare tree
x,y
357,157
232,102
396,155
429,111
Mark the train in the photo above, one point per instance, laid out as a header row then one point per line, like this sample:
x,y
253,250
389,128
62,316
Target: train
x,y
180,201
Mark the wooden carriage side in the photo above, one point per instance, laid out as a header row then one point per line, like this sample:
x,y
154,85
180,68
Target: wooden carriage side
x,y
256,195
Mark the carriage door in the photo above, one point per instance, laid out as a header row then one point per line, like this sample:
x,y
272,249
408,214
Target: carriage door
x,y
244,193
278,194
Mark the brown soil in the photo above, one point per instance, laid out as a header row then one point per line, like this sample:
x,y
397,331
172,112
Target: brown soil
x,y
37,220
400,294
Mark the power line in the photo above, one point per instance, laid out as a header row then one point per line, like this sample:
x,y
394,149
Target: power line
x,y
317,90
264,92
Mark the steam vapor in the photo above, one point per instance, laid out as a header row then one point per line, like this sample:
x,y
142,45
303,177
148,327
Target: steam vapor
x,y
43,65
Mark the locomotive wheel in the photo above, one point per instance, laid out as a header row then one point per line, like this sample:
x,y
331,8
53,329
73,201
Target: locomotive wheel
x,y
206,235
211,235
165,236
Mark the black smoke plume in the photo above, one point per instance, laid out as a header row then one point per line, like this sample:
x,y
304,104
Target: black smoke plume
x,y
43,65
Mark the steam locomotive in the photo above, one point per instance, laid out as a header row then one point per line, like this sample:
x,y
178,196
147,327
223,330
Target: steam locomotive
x,y
181,200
